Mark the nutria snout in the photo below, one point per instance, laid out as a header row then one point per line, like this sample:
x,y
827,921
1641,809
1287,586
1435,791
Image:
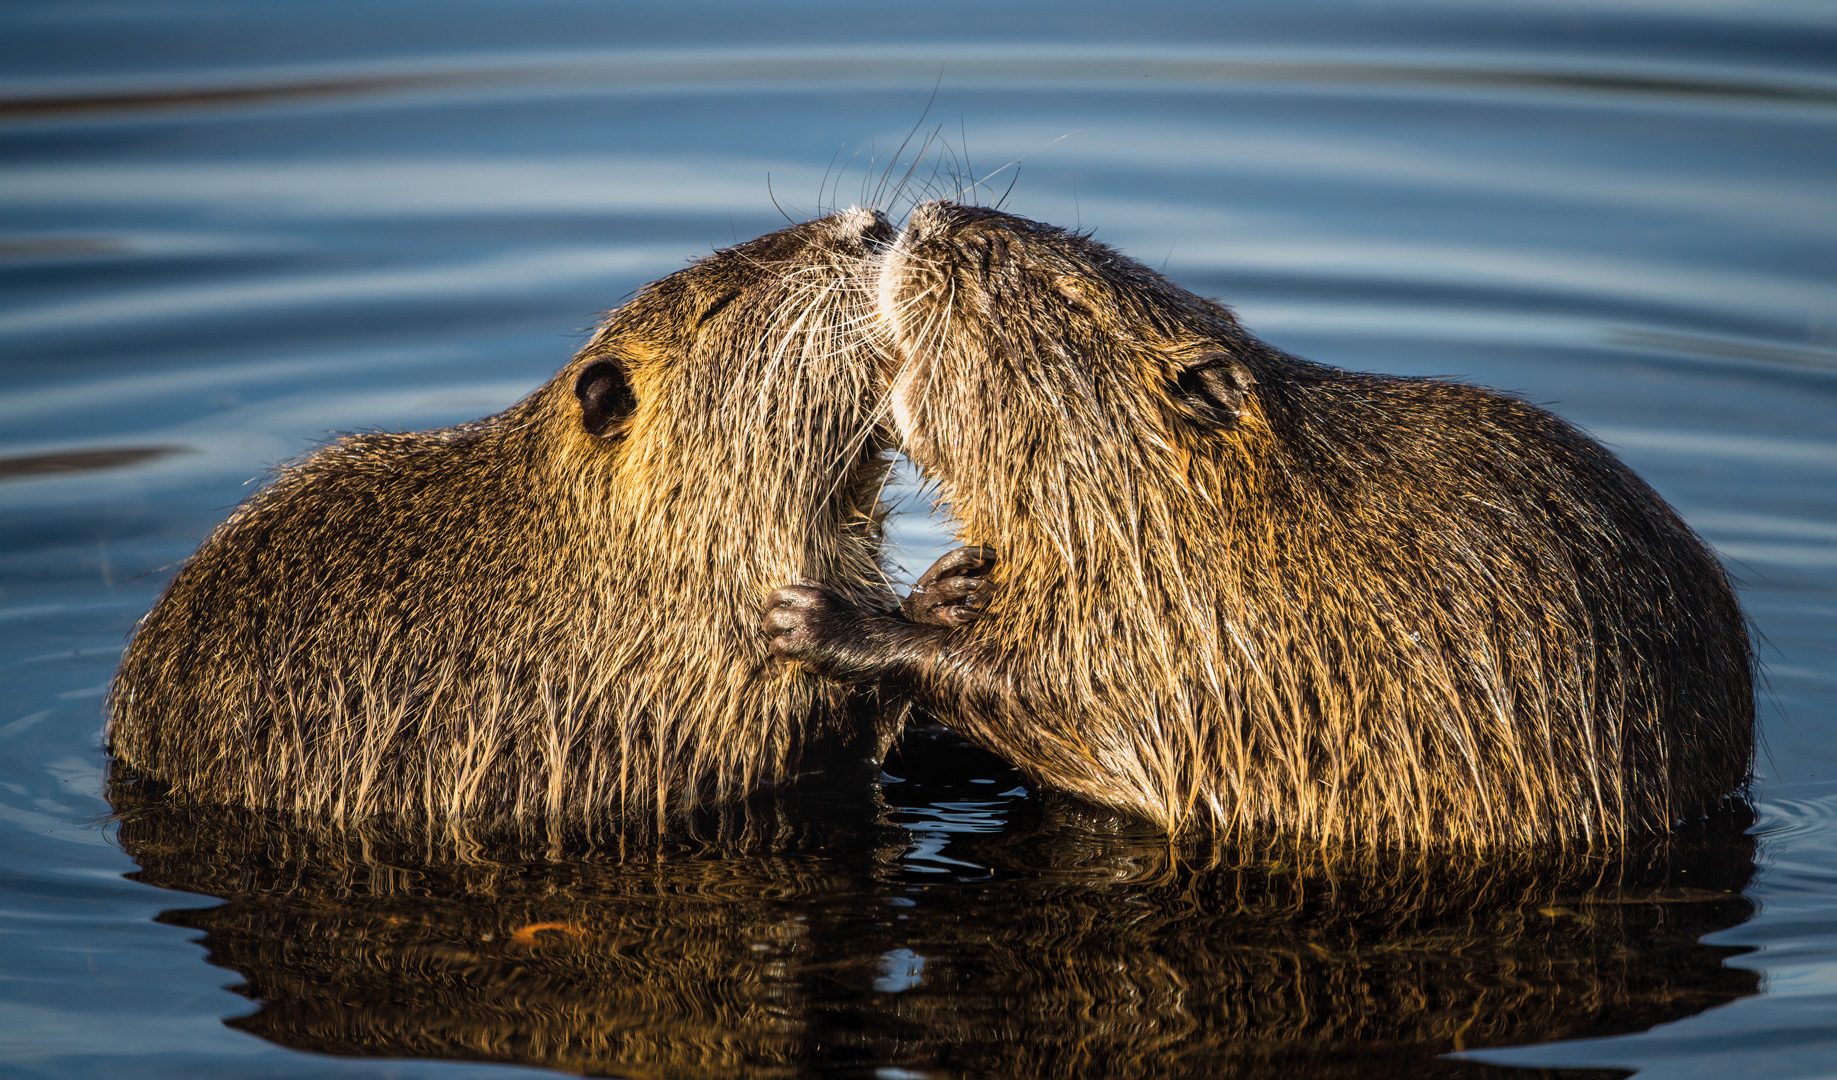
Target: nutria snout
x,y
1242,591
540,620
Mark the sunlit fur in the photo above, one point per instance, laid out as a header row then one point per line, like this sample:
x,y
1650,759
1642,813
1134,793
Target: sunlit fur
x,y
517,624
1377,610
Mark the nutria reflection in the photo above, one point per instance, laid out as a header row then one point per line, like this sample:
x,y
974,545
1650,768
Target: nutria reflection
x,y
1086,947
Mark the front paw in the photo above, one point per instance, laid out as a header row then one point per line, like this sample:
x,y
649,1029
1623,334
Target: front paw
x,y
797,621
956,590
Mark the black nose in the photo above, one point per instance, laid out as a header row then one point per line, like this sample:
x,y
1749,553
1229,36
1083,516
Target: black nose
x,y
880,231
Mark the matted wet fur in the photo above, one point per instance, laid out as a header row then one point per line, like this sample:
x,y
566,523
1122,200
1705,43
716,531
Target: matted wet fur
x,y
1238,590
541,620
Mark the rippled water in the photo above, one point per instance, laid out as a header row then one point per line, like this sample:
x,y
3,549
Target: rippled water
x,y
227,229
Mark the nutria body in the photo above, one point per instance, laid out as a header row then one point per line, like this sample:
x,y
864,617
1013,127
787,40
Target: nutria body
x,y
1242,591
535,620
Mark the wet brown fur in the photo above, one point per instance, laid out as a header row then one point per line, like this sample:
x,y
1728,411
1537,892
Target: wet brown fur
x,y
1358,608
519,623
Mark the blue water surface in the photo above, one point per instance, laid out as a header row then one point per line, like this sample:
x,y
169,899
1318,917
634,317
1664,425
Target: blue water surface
x,y
227,229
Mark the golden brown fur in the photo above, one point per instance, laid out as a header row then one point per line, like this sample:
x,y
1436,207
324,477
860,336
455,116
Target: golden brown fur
x,y
1239,590
539,620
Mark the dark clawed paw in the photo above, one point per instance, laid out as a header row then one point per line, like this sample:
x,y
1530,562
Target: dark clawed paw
x,y
794,618
956,590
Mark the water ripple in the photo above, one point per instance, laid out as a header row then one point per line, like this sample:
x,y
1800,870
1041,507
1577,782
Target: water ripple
x,y
704,70
208,266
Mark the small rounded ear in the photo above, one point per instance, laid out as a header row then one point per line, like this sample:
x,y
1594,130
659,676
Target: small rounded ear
x,y
605,396
1214,386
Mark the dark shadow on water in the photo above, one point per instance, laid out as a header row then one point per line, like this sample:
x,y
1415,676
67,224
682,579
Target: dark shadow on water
x,y
74,461
952,926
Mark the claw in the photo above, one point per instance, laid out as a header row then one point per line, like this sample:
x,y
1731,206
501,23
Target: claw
x,y
955,590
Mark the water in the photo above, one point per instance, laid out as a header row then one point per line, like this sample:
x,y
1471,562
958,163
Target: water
x,y
227,229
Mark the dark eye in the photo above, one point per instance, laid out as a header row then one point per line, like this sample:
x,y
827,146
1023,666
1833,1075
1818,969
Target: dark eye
x,y
605,397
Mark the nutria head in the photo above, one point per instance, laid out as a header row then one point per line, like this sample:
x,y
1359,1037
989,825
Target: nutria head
x,y
539,620
1240,591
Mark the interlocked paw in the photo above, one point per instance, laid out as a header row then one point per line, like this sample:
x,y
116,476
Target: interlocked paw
x,y
797,620
956,590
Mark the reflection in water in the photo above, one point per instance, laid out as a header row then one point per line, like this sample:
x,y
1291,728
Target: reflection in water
x,y
822,938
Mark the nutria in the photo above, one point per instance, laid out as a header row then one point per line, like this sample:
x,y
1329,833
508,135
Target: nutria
x,y
1241,591
535,620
